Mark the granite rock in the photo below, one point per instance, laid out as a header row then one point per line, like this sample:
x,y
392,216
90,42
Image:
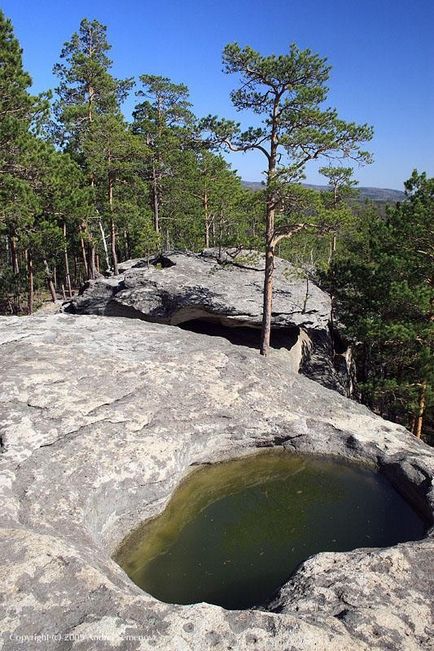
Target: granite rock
x,y
222,293
101,418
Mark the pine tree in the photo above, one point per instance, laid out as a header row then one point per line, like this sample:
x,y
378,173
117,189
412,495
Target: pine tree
x,y
87,93
86,89
384,288
113,155
17,106
288,91
19,113
221,195
165,122
341,188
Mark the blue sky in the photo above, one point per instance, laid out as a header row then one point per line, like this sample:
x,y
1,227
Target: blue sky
x,y
381,53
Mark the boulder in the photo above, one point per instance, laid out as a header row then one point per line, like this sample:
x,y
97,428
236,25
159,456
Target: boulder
x,y
101,418
222,294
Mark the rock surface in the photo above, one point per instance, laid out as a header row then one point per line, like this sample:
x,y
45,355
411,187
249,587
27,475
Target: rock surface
x,y
102,417
208,289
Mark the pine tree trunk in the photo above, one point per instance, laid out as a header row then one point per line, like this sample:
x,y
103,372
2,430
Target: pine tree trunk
x,y
155,198
92,262
213,231
104,243
268,286
127,244
113,247
7,250
269,241
65,253
14,255
332,249
112,226
92,271
418,424
31,282
206,216
50,281
83,253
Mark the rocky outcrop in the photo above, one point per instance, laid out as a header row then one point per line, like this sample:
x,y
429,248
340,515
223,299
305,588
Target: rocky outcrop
x,y
102,417
221,294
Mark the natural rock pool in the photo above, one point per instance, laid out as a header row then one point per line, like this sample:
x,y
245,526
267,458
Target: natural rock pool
x,y
234,532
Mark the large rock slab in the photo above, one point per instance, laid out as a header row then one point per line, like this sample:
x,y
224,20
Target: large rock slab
x,y
227,288
101,418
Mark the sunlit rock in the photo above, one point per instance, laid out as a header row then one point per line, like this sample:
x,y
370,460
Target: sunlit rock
x,y
100,420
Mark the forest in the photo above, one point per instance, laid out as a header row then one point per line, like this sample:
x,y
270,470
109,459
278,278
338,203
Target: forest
x,y
82,189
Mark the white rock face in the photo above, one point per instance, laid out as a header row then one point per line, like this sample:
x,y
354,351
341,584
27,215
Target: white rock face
x,y
101,418
231,288
180,288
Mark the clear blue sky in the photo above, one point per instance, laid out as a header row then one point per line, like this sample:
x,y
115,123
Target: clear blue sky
x,y
381,52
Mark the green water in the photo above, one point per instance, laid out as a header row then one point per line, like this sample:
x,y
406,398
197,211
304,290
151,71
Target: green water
x,y
234,532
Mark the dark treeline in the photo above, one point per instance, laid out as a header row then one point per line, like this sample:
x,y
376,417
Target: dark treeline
x,y
82,189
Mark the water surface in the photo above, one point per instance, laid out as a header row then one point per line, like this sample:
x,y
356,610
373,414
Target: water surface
x,y
234,532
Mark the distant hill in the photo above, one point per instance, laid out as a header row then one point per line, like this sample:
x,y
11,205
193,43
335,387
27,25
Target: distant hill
x,y
383,195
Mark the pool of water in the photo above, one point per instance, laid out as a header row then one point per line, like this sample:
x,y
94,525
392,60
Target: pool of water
x,y
234,532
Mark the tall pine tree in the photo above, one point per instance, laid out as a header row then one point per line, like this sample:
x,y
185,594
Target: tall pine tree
x,y
288,92
19,113
88,94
